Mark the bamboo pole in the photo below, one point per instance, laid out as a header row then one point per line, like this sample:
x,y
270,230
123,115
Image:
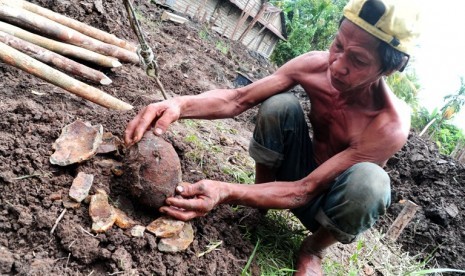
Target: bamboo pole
x,y
58,31
72,23
28,64
59,47
52,58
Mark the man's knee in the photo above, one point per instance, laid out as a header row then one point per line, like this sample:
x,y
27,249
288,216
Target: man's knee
x,y
360,195
369,184
284,104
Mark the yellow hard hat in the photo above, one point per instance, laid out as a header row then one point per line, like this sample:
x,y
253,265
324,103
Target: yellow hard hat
x,y
393,21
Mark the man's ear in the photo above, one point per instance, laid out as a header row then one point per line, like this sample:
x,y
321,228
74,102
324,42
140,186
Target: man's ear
x,y
399,68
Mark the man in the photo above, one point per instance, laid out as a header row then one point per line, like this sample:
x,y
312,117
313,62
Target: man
x,y
334,184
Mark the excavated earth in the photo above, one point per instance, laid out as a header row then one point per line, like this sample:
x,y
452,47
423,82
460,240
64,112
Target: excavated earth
x,y
33,191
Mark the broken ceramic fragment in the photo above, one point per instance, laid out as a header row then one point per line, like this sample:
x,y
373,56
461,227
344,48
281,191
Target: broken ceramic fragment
x,y
70,203
102,213
138,231
179,242
122,220
81,186
165,227
78,142
110,143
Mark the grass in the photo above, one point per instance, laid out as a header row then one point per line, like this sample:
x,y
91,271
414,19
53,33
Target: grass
x,y
277,240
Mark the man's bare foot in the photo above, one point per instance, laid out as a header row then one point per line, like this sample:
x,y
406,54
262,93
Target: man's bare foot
x,y
309,265
312,251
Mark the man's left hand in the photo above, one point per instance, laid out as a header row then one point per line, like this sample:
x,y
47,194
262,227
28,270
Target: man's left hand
x,y
195,199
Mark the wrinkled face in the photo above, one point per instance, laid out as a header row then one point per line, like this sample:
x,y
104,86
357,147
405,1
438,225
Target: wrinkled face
x,y
353,58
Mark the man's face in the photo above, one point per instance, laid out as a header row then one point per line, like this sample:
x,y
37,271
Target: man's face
x,y
353,58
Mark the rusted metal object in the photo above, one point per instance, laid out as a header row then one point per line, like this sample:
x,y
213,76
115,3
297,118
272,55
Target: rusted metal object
x,y
152,170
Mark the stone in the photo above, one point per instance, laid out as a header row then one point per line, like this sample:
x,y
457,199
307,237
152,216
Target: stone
x,y
152,170
78,142
138,231
165,227
122,220
81,186
102,213
179,242
6,260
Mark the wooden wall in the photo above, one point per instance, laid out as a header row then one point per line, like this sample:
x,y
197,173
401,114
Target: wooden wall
x,y
231,19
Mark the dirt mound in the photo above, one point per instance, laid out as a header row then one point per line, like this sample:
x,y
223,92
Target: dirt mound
x,y
33,190
437,184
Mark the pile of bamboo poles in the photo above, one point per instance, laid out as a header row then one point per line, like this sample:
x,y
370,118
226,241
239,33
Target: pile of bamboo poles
x,y
42,42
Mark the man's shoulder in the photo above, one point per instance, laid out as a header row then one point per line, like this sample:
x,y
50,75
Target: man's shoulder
x,y
315,59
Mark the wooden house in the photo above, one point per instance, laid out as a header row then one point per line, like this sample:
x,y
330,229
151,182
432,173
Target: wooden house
x,y
256,23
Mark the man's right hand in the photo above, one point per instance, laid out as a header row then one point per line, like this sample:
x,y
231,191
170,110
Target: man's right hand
x,y
157,115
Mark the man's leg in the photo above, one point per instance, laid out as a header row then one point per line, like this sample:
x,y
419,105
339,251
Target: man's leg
x,y
264,174
281,146
312,251
354,202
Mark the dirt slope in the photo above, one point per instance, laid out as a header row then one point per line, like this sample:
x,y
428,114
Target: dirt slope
x,y
33,190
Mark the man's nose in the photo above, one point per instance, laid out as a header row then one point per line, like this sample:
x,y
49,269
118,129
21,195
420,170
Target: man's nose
x,y
339,66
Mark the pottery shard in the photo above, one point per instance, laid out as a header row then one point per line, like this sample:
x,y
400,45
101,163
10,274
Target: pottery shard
x,y
165,227
102,213
81,186
78,142
122,220
179,242
153,170
110,143
137,231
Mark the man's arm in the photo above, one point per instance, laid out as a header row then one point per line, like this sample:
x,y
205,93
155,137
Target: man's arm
x,y
214,104
382,138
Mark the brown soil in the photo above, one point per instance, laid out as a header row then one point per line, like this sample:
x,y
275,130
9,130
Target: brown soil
x,y
33,190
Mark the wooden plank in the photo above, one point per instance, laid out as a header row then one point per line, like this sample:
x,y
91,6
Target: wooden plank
x,y
405,216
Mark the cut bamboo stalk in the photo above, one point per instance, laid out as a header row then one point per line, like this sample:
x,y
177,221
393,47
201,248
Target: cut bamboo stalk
x,y
28,64
59,47
52,58
73,24
58,31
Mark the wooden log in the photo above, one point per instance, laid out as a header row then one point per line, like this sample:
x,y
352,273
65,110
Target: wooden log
x,y
402,220
72,23
52,58
61,48
28,64
58,31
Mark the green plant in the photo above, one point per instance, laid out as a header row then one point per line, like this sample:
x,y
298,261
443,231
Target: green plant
x,y
311,25
222,47
245,270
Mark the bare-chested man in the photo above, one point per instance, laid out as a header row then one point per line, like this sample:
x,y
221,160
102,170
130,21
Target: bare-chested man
x,y
334,184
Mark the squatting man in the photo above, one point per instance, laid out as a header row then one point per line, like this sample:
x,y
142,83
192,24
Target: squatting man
x,y
334,183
